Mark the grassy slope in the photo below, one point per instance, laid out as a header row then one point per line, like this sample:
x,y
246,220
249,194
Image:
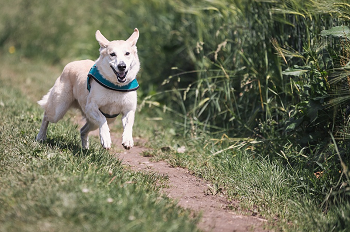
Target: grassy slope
x,y
57,187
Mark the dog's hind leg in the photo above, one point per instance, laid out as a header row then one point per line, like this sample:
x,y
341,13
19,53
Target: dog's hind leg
x,y
58,104
43,129
84,133
55,103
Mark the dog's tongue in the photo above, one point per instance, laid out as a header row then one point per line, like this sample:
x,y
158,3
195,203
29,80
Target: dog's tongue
x,y
121,74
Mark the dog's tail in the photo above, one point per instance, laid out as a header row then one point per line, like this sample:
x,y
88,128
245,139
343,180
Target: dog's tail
x,y
44,100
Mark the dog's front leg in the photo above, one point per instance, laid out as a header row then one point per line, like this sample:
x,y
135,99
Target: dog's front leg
x,y
105,136
128,122
96,117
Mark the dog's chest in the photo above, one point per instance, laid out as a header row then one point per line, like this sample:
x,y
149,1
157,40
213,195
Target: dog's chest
x,y
118,102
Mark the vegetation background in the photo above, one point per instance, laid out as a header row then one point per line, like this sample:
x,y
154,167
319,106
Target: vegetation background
x,y
256,90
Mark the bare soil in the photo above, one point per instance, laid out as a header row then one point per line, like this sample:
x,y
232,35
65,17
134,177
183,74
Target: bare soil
x,y
190,191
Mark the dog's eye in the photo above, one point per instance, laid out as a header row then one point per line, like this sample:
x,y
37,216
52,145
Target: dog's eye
x,y
127,53
112,54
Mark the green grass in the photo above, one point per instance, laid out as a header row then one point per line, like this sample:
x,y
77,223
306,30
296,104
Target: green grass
x,y
291,199
56,186
249,87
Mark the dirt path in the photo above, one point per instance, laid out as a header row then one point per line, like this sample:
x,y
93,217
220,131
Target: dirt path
x,y
190,192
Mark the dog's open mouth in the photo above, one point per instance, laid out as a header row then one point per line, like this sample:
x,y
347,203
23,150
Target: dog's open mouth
x,y
121,76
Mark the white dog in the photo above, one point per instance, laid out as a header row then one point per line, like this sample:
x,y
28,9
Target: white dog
x,y
101,90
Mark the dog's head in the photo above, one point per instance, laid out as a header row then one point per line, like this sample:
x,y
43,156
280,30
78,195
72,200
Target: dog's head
x,y
118,59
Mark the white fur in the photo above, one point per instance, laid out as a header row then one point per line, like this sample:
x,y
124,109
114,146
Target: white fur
x,y
70,90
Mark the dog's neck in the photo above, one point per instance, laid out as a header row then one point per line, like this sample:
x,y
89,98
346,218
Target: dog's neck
x,y
96,75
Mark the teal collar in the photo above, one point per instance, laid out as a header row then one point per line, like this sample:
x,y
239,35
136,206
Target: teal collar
x,y
95,74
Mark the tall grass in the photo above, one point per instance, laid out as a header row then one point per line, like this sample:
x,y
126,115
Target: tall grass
x,y
265,70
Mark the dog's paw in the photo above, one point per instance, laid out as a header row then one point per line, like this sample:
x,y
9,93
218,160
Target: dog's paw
x,y
105,137
85,142
40,138
106,142
128,143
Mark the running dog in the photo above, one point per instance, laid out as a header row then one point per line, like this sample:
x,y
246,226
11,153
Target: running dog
x,y
101,90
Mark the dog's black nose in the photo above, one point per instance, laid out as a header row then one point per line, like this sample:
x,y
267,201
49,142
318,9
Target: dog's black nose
x,y
122,66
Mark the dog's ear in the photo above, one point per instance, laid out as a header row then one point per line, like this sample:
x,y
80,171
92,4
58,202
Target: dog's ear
x,y
134,37
101,39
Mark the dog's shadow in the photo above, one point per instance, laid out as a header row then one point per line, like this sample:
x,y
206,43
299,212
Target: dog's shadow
x,y
96,154
61,142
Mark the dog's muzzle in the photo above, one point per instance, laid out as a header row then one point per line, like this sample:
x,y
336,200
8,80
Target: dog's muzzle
x,y
121,75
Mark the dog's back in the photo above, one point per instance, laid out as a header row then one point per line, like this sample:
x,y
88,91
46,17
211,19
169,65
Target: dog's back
x,y
62,95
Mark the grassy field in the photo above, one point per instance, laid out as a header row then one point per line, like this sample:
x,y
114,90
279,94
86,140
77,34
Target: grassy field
x,y
56,186
256,91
